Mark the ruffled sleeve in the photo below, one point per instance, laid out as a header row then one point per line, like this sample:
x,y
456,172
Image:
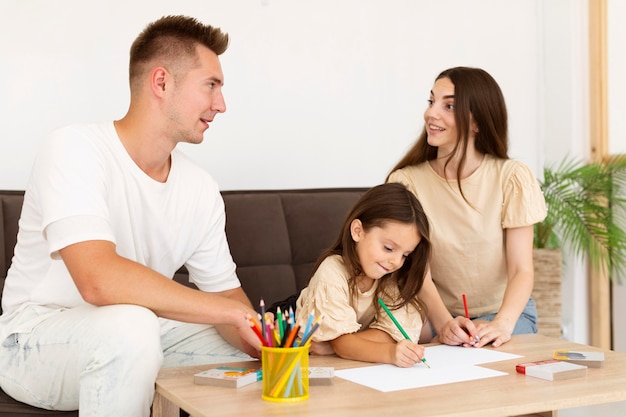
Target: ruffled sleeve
x,y
328,294
523,202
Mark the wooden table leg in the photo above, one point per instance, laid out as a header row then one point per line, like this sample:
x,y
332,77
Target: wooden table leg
x,y
162,407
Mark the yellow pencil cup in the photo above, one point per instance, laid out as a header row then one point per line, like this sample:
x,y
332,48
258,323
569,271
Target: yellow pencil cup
x,y
285,373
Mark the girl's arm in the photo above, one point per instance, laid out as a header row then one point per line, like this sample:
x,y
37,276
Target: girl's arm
x,y
519,257
373,345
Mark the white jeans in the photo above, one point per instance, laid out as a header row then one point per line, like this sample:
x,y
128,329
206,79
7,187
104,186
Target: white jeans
x,y
102,361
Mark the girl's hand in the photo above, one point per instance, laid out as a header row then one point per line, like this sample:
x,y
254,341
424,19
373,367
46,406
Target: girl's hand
x,y
460,331
407,354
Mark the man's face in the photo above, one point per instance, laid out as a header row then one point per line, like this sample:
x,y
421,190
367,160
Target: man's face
x,y
196,98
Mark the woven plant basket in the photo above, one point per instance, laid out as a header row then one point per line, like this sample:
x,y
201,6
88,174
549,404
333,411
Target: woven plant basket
x,y
547,290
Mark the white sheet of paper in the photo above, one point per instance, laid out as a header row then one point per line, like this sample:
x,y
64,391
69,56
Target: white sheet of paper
x,y
447,364
444,356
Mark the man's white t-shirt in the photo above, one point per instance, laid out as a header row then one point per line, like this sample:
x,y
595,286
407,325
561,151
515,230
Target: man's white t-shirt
x,y
84,186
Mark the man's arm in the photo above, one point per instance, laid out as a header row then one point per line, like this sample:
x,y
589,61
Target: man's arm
x,y
103,278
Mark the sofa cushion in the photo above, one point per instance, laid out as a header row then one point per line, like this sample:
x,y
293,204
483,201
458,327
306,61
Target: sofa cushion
x,y
11,408
275,237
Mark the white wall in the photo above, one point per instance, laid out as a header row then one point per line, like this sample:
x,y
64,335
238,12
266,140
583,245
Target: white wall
x,y
319,93
565,129
325,93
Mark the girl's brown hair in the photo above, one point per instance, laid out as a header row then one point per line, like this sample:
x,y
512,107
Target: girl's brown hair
x,y
381,204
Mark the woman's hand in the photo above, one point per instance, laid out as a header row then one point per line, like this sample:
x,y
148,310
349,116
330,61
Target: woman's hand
x,y
460,331
495,332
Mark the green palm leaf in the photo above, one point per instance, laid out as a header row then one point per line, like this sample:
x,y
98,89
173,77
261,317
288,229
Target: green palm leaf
x,y
586,212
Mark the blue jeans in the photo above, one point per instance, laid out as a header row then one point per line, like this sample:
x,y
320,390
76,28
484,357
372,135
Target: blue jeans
x,y
526,323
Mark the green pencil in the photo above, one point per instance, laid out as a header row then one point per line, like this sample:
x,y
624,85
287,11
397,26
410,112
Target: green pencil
x,y
406,336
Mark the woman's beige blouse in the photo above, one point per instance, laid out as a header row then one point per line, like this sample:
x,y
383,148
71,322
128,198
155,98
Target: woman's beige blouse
x,y
469,241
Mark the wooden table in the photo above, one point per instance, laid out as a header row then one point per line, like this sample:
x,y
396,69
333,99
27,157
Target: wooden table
x,y
510,395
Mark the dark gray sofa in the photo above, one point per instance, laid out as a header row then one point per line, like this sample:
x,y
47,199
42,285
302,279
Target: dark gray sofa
x,y
275,237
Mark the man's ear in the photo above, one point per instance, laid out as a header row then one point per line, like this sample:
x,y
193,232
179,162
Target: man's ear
x,y
356,230
157,80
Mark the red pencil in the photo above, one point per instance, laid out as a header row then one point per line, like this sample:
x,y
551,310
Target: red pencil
x,y
465,305
257,330
467,314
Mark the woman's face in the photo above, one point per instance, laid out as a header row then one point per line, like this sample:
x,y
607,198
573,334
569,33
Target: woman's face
x,y
439,116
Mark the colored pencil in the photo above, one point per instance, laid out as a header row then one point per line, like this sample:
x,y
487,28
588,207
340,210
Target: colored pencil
x,y
262,305
406,336
257,330
292,336
467,315
284,378
268,332
279,322
465,306
292,317
307,335
283,342
308,324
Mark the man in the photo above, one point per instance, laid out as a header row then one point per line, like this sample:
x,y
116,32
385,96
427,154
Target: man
x,y
111,211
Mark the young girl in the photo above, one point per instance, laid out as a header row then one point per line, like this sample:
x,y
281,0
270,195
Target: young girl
x,y
382,252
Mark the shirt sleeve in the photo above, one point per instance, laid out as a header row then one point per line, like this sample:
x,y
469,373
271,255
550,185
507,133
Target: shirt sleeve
x,y
211,267
70,230
68,181
402,177
523,203
328,295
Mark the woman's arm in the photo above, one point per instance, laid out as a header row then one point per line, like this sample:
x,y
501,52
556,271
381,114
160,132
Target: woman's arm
x,y
451,331
519,257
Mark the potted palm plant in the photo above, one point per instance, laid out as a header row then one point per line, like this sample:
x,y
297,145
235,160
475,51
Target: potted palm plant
x,y
586,214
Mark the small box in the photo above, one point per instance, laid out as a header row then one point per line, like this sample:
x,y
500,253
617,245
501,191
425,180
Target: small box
x,y
228,377
321,375
586,358
551,369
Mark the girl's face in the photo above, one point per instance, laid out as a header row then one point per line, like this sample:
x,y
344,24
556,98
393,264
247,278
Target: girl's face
x,y
382,250
439,116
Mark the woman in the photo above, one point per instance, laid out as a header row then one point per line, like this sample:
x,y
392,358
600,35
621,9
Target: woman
x,y
481,205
